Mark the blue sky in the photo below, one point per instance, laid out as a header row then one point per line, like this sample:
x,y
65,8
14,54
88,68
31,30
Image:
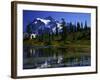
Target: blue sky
x,y
30,15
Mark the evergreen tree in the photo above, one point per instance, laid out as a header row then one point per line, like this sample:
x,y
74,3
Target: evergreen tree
x,y
64,30
81,26
52,35
75,28
85,26
49,37
28,30
72,31
56,30
78,26
71,27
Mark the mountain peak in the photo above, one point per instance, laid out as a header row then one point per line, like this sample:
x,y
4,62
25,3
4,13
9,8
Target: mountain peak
x,y
44,20
40,25
49,18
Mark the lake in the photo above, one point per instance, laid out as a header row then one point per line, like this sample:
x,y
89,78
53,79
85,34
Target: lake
x,y
41,57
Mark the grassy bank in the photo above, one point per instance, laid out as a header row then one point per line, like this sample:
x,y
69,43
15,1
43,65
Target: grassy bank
x,y
81,45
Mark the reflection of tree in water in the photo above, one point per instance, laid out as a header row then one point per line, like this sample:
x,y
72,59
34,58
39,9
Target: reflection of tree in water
x,y
45,57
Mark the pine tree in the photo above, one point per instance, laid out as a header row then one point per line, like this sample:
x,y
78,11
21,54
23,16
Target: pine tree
x,y
85,26
56,30
49,36
71,27
52,35
64,30
75,28
78,26
28,30
81,26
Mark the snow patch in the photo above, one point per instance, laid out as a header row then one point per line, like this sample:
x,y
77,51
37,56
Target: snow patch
x,y
59,26
44,21
35,22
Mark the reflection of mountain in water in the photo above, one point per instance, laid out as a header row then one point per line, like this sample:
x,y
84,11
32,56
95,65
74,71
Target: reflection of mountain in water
x,y
47,57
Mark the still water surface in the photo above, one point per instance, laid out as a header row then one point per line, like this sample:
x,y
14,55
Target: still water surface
x,y
53,57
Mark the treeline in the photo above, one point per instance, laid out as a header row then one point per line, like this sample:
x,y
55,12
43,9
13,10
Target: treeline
x,y
69,32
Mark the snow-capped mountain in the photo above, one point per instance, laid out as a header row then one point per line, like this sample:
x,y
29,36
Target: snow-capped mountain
x,y
48,24
43,20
